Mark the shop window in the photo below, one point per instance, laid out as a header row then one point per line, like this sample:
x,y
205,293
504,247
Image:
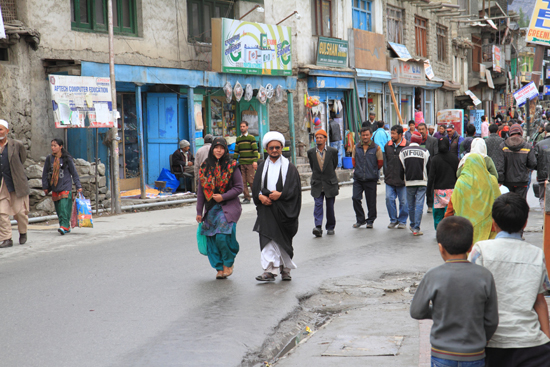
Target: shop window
x,y
199,15
441,43
91,15
362,14
223,117
322,18
394,24
127,131
421,27
476,53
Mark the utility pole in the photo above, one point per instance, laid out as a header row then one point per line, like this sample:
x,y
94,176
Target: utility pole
x,y
115,182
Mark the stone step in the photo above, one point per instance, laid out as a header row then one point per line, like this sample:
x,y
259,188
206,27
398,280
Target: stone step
x,y
303,168
302,160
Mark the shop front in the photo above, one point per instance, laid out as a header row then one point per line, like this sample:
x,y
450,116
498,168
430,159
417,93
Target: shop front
x,y
406,77
370,88
161,106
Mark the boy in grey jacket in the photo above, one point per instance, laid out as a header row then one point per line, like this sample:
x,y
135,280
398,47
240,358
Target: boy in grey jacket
x,y
460,298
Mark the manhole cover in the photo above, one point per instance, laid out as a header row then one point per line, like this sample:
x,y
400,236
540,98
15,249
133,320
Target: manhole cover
x,y
360,346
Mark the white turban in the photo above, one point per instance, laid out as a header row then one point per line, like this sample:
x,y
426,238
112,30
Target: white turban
x,y
273,136
4,123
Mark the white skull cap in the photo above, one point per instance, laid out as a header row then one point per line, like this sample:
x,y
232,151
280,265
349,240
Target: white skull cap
x,y
4,123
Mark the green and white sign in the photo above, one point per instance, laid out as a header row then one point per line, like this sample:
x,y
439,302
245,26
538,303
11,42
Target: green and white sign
x,y
332,52
255,48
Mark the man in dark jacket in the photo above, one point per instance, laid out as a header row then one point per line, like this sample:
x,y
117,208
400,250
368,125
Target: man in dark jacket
x,y
183,161
430,143
466,144
14,188
516,161
454,140
394,176
493,143
542,152
367,158
323,161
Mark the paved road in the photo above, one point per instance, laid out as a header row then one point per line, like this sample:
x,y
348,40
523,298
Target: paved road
x,y
134,291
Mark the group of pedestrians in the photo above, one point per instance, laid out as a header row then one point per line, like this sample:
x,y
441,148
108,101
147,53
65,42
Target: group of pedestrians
x,y
277,194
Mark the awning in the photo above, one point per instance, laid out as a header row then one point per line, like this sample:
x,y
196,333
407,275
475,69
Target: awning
x,y
449,85
432,85
373,75
403,53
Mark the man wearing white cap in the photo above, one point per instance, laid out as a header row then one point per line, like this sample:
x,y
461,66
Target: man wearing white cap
x,y
14,187
277,194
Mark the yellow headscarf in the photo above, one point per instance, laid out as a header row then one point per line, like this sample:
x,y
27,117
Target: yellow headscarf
x,y
474,194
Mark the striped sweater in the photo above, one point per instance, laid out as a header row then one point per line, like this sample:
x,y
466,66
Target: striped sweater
x,y
246,149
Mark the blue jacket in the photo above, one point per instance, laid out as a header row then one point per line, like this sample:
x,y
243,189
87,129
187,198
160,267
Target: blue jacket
x,y
366,163
381,137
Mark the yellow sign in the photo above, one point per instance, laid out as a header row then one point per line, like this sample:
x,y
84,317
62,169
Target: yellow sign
x,y
539,29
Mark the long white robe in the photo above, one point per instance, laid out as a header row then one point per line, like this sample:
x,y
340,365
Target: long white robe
x,y
272,255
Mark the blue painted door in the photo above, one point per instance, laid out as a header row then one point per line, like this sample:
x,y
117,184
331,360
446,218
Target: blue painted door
x,y
162,132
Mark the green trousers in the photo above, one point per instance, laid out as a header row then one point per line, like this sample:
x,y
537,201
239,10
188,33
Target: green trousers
x,y
63,208
222,249
439,214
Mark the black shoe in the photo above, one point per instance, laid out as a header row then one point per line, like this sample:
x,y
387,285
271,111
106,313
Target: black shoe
x,y
318,232
246,201
6,243
330,232
370,225
357,225
22,238
266,277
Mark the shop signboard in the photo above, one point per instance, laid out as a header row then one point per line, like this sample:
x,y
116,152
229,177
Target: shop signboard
x,y
2,30
539,28
251,48
473,97
530,91
496,59
409,73
428,69
332,52
401,50
475,119
370,50
77,99
454,117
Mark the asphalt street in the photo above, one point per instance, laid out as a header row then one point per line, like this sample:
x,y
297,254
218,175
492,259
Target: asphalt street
x,y
134,291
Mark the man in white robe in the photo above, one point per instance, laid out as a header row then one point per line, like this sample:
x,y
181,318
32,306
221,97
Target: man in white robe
x,y
277,194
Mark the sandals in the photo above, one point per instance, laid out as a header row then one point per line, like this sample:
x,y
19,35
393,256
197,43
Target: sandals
x,y
266,277
220,275
227,271
286,276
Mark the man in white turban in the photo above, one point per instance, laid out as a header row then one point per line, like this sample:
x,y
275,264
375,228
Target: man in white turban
x,y
14,187
183,164
277,194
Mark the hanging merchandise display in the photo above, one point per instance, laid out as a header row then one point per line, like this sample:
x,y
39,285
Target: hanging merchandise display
x,y
310,101
262,95
278,94
248,93
238,91
269,91
228,92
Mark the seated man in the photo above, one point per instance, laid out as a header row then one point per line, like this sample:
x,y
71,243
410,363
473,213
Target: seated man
x,y
182,162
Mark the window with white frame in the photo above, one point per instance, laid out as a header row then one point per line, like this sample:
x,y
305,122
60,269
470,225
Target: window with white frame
x,y
394,18
362,14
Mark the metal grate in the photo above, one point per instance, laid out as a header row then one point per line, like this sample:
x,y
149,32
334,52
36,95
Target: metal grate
x,y
9,10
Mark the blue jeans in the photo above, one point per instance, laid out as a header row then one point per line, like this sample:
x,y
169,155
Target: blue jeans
x,y
438,362
393,193
415,199
340,147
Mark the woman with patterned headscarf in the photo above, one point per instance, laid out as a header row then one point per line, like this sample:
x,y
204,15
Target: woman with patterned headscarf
x,y
219,208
